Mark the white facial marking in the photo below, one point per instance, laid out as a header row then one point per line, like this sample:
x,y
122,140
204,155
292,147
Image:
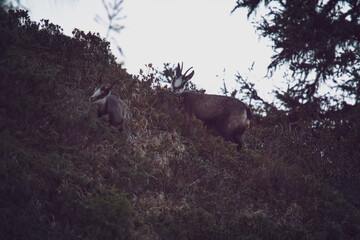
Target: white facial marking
x,y
178,82
96,93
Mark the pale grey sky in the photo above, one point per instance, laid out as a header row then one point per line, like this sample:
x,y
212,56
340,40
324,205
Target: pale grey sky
x,y
201,33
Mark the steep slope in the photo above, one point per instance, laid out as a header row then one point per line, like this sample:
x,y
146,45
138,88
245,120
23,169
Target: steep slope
x,y
66,174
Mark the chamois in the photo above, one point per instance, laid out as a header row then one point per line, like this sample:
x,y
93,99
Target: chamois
x,y
227,115
109,104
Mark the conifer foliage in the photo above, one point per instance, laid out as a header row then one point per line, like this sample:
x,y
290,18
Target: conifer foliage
x,y
319,41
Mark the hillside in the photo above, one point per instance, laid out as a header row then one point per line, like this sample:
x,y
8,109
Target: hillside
x,y
66,174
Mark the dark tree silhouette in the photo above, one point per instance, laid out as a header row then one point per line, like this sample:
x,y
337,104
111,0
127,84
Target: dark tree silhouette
x,y
318,40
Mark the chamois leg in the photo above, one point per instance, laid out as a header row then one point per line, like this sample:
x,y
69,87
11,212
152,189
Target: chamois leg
x,y
239,139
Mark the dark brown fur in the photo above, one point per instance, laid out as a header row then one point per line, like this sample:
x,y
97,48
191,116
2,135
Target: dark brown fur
x,y
228,116
109,104
115,108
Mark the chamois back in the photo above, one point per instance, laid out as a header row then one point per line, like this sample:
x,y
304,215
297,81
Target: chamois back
x,y
228,116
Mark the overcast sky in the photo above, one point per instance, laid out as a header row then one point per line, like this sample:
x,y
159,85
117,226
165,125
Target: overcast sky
x,y
202,33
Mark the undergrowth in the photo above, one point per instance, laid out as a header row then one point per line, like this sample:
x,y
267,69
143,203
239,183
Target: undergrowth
x,y
67,174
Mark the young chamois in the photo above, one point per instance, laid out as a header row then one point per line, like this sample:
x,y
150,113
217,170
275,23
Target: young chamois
x,y
109,104
227,115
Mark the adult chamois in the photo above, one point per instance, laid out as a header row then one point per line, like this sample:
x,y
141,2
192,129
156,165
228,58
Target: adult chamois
x,y
227,115
109,104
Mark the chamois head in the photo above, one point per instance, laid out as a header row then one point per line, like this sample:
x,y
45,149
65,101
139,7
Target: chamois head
x,y
100,93
180,79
